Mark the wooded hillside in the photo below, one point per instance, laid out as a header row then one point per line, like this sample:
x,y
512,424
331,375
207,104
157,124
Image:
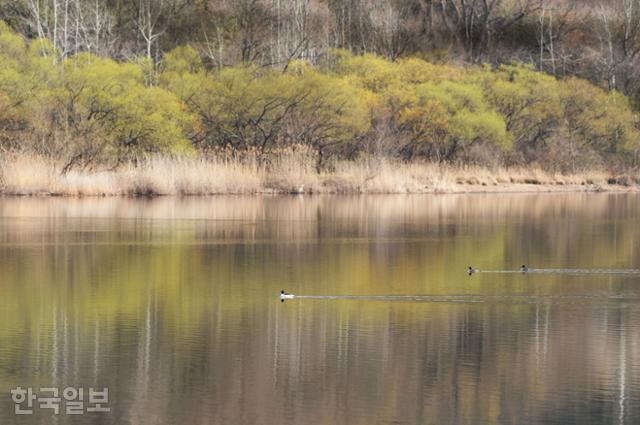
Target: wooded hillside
x,y
485,82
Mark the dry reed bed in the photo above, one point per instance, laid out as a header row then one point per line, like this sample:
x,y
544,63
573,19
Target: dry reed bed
x,y
33,175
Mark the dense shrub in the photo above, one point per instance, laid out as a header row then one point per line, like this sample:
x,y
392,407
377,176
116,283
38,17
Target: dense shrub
x,y
91,111
86,110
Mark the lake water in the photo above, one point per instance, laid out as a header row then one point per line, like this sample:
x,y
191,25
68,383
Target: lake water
x,y
172,304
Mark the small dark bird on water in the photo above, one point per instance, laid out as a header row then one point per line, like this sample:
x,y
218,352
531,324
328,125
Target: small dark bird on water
x,y
524,268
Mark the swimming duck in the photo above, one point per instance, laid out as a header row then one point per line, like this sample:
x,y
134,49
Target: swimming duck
x,y
471,270
286,295
524,268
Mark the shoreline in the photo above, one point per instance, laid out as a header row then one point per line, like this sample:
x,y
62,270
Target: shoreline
x,y
462,189
28,175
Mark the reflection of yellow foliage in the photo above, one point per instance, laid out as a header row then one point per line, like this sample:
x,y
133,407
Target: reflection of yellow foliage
x,y
157,288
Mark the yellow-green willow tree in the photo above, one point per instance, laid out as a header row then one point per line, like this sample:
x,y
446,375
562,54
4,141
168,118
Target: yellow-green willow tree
x,y
92,112
88,111
262,109
110,115
439,112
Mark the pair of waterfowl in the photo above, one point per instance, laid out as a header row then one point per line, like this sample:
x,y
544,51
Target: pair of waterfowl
x,y
287,296
471,270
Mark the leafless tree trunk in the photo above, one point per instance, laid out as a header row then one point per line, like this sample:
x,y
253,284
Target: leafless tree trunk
x,y
73,25
148,15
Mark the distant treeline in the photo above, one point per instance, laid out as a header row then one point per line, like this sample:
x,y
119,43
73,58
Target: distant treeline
x,y
598,40
91,111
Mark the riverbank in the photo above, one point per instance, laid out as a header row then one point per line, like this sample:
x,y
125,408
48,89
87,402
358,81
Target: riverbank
x,y
27,175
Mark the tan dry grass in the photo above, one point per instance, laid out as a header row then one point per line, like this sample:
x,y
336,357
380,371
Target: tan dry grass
x,y
22,174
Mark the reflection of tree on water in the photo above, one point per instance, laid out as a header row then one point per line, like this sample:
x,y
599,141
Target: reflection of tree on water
x,y
179,318
622,378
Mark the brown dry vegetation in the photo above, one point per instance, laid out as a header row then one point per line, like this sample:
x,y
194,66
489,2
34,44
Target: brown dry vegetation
x,y
22,174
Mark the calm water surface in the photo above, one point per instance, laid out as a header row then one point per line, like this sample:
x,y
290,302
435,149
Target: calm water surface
x,y
173,305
